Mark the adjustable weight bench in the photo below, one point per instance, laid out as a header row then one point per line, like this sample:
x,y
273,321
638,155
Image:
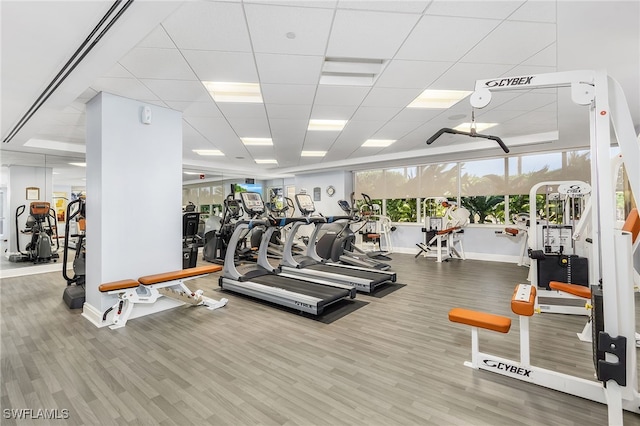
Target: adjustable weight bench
x,y
150,288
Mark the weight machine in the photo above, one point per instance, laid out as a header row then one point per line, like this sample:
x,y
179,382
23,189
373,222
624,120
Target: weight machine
x,y
558,252
611,267
443,222
377,229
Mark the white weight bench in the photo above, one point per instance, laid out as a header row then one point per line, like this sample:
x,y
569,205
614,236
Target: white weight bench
x,y
150,288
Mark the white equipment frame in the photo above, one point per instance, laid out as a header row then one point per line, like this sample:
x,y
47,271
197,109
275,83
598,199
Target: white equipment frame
x,y
611,260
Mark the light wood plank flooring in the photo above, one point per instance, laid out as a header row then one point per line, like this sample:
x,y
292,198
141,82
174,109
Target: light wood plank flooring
x,y
395,361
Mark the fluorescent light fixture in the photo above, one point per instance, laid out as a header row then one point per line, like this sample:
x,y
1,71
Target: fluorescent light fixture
x,y
208,152
257,141
378,142
234,92
438,99
79,164
267,161
193,173
313,153
350,71
55,145
331,125
465,127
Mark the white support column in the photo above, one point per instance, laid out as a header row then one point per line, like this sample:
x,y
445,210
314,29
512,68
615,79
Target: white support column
x,y
134,194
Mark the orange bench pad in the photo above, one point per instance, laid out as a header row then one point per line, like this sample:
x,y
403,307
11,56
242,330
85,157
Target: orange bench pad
x,y
176,275
575,289
448,230
480,319
118,285
522,307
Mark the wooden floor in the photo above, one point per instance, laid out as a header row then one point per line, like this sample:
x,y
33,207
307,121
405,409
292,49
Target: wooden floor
x,y
395,361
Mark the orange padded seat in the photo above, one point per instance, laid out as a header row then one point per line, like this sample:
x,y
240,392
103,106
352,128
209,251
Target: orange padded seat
x,y
575,289
480,319
118,285
176,275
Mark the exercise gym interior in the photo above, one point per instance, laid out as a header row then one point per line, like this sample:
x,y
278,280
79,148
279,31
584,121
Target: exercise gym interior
x,y
320,212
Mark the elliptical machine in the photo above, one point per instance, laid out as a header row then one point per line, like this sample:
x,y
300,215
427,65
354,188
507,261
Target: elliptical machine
x,y
218,232
74,293
42,225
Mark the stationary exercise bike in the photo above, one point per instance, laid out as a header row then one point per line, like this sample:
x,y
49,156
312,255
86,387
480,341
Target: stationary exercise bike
x,y
42,225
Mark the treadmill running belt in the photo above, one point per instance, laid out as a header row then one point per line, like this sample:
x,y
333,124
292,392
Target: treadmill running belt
x,y
328,294
374,277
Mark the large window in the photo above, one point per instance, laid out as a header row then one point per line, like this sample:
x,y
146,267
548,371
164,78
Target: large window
x,y
493,190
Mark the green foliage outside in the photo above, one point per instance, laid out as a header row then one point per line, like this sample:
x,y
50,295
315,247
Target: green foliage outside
x,y
400,210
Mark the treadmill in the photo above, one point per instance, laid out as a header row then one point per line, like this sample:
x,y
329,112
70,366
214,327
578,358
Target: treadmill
x,y
264,281
312,266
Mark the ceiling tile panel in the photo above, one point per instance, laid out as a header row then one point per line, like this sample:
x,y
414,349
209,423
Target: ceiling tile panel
x,y
167,64
381,114
463,76
242,110
177,90
513,42
209,26
327,112
315,141
289,30
340,95
411,74
535,11
547,57
118,71
474,9
158,38
288,94
250,127
387,97
222,66
326,4
219,133
407,6
438,38
395,130
289,69
196,109
125,87
361,34
294,112
421,115
288,130
358,131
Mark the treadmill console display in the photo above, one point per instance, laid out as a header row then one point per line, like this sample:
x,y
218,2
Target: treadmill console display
x,y
252,202
305,203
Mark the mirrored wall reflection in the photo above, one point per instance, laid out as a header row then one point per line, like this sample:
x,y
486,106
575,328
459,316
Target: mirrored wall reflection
x,y
210,197
35,190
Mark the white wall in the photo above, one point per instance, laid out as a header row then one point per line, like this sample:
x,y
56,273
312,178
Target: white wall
x,y
134,193
340,180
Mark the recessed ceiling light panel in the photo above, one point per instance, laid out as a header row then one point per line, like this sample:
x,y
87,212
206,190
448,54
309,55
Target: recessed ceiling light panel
x,y
438,99
313,153
257,141
465,127
266,161
378,143
327,125
215,152
234,92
